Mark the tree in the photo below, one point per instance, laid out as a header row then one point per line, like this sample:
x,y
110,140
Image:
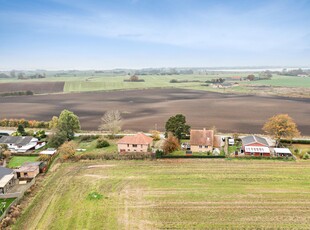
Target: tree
x,y
112,122
281,126
134,78
251,77
21,130
171,144
57,138
53,123
67,150
69,123
177,126
155,135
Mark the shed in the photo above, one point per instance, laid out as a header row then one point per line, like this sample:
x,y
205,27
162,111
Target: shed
x,y
282,152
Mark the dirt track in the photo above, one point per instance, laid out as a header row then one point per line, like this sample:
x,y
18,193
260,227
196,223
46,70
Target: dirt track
x,y
143,109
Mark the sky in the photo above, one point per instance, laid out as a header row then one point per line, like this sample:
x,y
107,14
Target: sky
x,y
108,34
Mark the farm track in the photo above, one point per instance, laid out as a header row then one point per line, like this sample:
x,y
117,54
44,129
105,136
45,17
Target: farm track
x,y
143,110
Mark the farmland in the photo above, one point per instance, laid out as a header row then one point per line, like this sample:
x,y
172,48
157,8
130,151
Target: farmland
x,y
87,82
142,110
35,87
178,194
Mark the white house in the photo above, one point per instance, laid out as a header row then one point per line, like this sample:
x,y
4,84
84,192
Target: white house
x,y
21,144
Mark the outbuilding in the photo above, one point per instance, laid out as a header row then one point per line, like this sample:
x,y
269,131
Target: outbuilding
x,y
7,179
282,152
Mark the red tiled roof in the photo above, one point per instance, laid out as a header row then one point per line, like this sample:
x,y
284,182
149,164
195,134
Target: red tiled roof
x,y
138,139
201,137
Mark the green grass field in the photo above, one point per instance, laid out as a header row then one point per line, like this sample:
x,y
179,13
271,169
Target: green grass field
x,y
5,203
98,82
173,194
90,147
17,161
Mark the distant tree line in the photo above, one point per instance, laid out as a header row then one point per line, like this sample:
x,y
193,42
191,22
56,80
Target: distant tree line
x,y
19,93
25,123
134,78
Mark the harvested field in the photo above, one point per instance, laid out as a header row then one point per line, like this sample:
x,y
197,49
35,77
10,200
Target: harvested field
x,y
178,194
145,109
36,87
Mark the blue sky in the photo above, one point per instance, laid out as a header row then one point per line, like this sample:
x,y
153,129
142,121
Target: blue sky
x,y
93,34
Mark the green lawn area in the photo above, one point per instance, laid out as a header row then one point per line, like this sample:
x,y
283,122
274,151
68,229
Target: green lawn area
x,y
17,161
6,203
285,81
90,147
173,194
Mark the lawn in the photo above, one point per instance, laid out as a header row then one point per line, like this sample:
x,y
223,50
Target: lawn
x,y
17,161
90,147
6,203
173,194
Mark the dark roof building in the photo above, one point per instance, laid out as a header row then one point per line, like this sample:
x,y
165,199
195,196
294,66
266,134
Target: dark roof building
x,y
254,140
15,140
5,171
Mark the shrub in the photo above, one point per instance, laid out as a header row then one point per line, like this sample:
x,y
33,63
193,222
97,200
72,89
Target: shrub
x,y
159,153
43,157
155,135
57,139
88,138
171,144
102,143
306,156
40,134
67,150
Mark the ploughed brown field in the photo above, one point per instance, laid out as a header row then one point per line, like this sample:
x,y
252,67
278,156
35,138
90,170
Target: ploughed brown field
x,y
143,110
36,87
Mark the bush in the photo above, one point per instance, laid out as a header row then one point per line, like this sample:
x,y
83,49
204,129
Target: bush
x,y
102,143
295,141
67,150
306,156
171,144
159,153
40,134
44,157
88,138
57,139
155,135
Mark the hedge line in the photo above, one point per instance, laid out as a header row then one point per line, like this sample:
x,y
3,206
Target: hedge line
x,y
193,156
295,141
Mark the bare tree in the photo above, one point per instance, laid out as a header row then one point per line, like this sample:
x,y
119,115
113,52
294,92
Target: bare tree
x,y
111,121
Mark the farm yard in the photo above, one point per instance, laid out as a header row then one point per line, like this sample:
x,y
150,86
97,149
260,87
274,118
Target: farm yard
x,y
143,110
172,194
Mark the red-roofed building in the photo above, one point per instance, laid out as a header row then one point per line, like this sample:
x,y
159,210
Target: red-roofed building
x,y
137,143
201,140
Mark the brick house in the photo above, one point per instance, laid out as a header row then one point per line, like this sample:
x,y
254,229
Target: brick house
x,y
201,140
136,143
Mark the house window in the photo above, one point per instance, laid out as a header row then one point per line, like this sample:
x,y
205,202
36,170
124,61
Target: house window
x,y
200,146
206,146
134,145
127,145
25,174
